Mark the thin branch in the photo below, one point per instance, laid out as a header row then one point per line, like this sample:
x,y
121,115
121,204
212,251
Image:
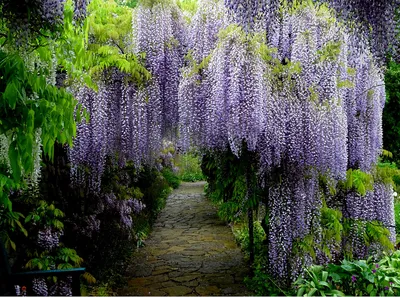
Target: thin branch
x,y
122,51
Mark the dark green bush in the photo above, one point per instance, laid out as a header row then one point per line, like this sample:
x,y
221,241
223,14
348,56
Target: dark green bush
x,y
189,168
390,118
355,278
171,178
397,216
263,284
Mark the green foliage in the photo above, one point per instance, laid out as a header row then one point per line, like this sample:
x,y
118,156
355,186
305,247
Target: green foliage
x,y
371,232
388,173
189,168
29,104
331,231
391,121
331,223
316,283
171,178
196,68
103,289
241,232
356,278
99,43
64,258
228,178
329,52
263,284
345,84
110,24
46,215
376,232
397,216
188,6
359,181
34,104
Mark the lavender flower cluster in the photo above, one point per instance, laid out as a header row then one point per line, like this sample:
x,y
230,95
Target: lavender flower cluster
x,y
48,238
26,18
293,211
373,19
108,205
39,287
124,208
80,7
377,205
309,119
159,31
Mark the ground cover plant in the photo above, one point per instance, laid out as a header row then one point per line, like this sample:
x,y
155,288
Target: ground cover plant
x,y
283,101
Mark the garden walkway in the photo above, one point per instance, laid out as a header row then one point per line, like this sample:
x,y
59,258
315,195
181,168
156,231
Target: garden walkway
x,y
189,252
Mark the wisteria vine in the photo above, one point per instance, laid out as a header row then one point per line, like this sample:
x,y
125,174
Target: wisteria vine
x,y
295,83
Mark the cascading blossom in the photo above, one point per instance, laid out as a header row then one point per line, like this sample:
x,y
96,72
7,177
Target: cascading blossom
x,y
159,32
375,19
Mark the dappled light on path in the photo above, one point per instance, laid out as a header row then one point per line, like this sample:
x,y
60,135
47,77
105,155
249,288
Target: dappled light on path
x,y
189,252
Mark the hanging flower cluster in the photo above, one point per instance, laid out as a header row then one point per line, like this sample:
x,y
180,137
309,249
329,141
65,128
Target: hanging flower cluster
x,y
372,14
377,205
373,19
295,110
293,206
25,19
159,32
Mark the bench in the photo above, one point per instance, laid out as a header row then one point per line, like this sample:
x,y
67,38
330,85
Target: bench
x,y
9,279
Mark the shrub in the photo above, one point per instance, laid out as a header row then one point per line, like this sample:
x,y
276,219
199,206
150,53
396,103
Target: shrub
x,y
241,233
263,284
397,216
189,168
171,178
357,278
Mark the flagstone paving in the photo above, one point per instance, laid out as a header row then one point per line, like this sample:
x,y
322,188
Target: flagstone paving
x,y
189,252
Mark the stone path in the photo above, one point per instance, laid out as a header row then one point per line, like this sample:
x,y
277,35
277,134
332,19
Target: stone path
x,y
189,252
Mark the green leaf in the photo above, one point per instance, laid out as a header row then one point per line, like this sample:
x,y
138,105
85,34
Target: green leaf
x,y
337,292
312,292
13,246
30,122
347,267
11,94
23,230
335,277
324,275
300,292
325,284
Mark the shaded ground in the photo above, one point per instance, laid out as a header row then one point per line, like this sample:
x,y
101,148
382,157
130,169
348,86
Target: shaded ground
x,y
190,252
